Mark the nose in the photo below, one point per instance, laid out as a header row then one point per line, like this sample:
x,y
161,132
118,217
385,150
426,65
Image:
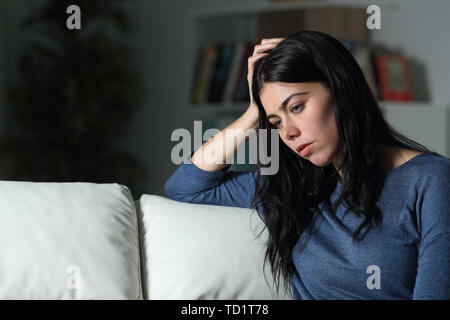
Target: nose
x,y
290,130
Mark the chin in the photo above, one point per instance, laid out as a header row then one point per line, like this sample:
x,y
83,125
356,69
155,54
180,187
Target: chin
x,y
318,161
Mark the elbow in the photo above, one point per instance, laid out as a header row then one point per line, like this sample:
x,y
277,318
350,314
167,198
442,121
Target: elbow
x,y
173,192
169,190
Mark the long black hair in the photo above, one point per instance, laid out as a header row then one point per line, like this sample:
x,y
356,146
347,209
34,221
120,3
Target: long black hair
x,y
288,200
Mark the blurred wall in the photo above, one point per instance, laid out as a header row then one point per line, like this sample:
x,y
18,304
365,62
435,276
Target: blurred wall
x,y
417,28
3,65
11,15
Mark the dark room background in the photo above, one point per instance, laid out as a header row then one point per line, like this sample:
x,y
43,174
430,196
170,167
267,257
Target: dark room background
x,y
99,104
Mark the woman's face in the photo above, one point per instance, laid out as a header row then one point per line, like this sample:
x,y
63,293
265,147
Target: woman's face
x,y
306,116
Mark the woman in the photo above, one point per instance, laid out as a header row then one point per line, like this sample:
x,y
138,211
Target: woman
x,y
356,210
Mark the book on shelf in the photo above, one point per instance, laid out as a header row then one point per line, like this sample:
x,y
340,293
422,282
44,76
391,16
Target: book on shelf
x,y
203,74
364,57
221,70
235,68
241,92
221,73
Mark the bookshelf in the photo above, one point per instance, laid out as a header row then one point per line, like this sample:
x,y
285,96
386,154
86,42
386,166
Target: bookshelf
x,y
251,23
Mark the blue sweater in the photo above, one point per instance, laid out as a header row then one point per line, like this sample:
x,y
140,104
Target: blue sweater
x,y
406,257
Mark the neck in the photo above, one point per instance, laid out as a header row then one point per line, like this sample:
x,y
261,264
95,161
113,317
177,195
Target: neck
x,y
389,158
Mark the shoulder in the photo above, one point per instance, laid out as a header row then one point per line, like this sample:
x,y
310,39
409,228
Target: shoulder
x,y
423,178
432,168
426,173
432,193
420,172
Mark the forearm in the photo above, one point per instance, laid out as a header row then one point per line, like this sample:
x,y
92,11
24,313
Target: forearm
x,y
213,154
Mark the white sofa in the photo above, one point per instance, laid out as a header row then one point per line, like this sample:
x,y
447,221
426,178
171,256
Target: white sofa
x,y
94,241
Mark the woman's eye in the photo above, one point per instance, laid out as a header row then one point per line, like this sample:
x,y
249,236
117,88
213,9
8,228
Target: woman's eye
x,y
293,109
297,107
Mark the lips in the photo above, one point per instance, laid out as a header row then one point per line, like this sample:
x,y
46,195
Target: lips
x,y
302,146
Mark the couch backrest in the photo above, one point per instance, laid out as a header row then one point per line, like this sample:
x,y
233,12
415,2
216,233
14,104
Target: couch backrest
x,y
93,241
68,241
197,251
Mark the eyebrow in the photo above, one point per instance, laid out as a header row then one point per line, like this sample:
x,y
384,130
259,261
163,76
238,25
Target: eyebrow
x,y
285,102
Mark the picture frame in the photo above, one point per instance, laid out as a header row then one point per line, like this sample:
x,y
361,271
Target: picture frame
x,y
394,78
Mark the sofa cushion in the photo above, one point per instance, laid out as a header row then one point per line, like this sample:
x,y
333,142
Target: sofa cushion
x,y
68,241
197,251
